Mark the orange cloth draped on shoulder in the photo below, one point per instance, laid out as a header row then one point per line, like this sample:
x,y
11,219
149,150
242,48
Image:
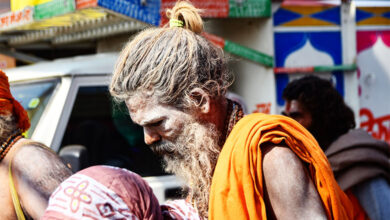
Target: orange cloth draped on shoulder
x,y
237,185
8,105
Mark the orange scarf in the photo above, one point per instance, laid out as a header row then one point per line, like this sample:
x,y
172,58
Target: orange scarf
x,y
237,185
8,105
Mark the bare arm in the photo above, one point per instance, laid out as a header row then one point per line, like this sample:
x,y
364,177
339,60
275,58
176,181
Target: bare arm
x,y
291,193
37,172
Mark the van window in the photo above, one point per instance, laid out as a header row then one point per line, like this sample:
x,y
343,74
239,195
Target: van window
x,y
106,130
33,96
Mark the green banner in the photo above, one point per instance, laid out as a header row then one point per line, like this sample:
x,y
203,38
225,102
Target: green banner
x,y
351,67
248,53
53,8
249,8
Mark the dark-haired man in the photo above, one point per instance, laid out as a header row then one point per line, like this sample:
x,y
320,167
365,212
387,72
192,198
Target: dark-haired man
x,y
360,163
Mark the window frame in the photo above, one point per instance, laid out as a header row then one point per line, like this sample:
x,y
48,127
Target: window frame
x,y
77,83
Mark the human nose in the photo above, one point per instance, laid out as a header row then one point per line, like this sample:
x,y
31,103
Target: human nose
x,y
150,136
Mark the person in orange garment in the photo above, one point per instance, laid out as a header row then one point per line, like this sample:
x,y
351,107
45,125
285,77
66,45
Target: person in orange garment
x,y
29,171
173,82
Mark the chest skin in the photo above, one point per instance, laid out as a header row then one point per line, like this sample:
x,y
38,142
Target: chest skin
x,y
7,211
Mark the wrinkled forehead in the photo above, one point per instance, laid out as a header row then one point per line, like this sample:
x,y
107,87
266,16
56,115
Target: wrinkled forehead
x,y
137,101
145,109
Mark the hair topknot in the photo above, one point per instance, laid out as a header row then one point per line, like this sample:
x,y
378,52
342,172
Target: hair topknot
x,y
169,62
188,14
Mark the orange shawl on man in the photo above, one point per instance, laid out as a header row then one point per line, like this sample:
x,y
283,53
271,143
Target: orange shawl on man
x,y
237,185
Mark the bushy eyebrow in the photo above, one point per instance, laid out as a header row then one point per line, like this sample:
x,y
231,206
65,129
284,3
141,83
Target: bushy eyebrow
x,y
292,114
295,114
151,122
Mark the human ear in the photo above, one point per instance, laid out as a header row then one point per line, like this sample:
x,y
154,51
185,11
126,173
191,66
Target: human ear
x,y
201,99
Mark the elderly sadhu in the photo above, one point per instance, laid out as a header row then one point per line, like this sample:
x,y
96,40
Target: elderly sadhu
x,y
29,171
173,82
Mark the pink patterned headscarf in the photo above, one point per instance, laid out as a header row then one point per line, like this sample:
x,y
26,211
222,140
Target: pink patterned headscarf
x,y
103,192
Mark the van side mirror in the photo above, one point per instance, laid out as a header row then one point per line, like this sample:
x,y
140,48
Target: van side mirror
x,y
74,156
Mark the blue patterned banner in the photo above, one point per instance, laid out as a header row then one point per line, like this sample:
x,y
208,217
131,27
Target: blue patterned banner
x,y
149,12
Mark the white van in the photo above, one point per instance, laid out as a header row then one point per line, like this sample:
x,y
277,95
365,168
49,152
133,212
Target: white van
x,y
71,111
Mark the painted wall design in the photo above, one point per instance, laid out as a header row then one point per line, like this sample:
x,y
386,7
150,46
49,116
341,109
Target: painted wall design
x,y
300,46
373,49
290,16
373,16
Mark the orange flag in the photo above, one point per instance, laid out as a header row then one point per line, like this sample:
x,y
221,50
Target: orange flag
x,y
237,185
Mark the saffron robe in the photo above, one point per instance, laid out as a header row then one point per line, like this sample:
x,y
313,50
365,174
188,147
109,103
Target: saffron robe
x,y
237,185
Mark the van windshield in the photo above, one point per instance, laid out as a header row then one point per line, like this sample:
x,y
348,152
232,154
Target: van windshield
x,y
34,97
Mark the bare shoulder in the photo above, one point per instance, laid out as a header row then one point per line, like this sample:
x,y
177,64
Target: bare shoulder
x,y
288,186
40,166
272,152
279,161
31,150
37,159
37,171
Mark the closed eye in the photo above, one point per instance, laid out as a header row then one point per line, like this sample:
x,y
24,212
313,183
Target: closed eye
x,y
155,124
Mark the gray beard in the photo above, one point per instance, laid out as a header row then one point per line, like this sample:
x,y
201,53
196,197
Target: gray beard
x,y
193,158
